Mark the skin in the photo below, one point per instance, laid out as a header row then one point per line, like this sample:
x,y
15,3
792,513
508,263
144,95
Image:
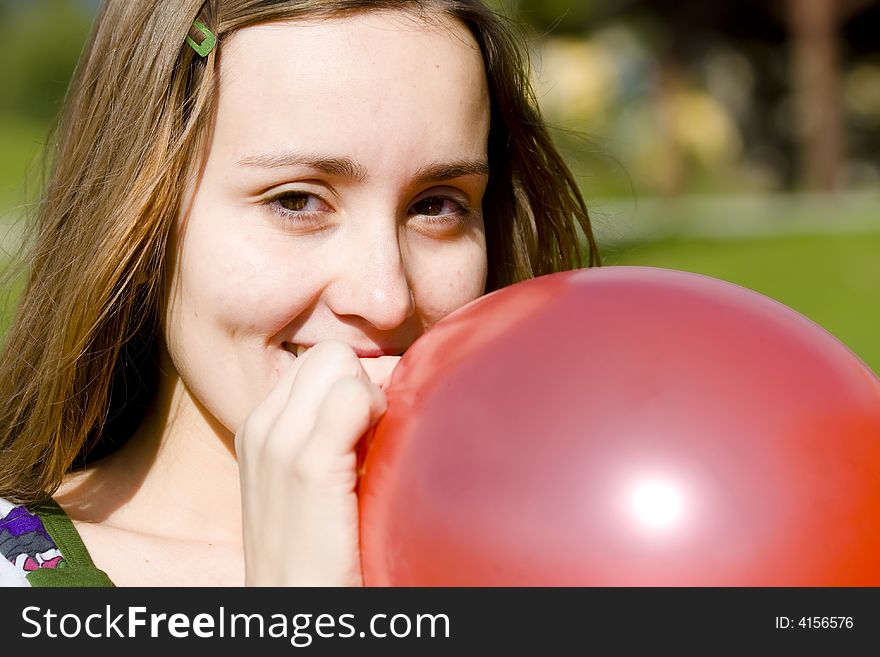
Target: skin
x,y
338,206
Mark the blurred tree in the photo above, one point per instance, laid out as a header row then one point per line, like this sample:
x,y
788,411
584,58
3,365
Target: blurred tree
x,y
794,47
815,27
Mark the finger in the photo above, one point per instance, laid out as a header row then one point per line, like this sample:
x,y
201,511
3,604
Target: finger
x,y
327,362
350,409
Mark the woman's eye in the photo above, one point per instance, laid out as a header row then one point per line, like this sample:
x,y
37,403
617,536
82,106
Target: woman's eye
x,y
300,210
436,206
441,216
300,202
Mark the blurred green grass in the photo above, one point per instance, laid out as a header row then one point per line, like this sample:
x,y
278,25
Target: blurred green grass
x,y
20,147
833,279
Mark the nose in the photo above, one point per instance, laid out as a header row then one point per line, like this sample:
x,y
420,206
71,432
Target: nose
x,y
372,281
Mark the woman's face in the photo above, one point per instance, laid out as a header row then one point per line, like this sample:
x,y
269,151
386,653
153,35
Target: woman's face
x,y
340,199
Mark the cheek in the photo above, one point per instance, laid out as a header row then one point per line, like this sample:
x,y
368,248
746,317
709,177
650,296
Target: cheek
x,y
230,297
242,285
449,284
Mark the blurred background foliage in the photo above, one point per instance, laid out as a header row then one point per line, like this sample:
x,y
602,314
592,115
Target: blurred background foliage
x,y
735,138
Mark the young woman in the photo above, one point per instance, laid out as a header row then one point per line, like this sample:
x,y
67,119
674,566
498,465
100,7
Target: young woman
x,y
254,209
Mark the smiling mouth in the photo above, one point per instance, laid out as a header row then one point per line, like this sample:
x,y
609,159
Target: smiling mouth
x,y
370,352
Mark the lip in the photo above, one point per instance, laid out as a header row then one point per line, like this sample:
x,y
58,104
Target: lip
x,y
361,352
376,353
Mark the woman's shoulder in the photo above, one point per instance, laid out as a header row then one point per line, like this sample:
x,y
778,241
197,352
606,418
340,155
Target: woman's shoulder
x,y
40,547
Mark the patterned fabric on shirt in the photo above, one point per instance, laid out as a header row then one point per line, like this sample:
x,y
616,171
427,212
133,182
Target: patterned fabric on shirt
x,y
24,541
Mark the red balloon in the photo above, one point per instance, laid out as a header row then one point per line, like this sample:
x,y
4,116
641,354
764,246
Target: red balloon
x,y
625,426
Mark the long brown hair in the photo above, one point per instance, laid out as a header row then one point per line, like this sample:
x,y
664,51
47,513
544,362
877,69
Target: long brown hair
x,y
77,369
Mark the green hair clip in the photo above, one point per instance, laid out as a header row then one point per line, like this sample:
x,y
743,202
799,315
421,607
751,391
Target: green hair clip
x,y
208,43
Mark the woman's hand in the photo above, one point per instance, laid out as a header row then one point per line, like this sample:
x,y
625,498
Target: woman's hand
x,y
297,457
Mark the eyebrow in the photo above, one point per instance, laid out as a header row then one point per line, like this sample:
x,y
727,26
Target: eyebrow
x,y
333,166
345,167
449,170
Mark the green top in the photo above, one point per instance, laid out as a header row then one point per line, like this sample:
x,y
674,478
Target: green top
x,y
80,570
